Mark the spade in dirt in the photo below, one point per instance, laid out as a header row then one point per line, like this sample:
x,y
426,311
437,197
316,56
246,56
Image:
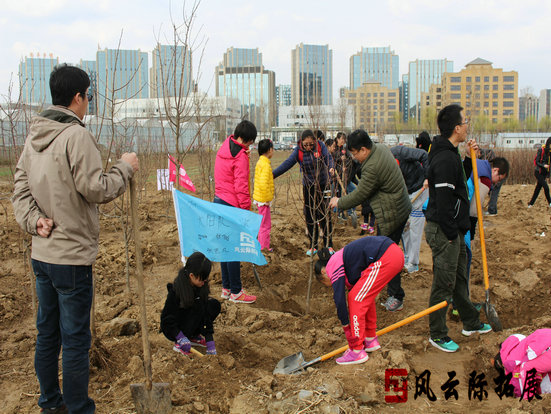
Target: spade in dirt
x,y
489,309
149,398
295,363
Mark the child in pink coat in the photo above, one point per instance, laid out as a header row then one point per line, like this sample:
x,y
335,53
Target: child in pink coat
x,y
231,188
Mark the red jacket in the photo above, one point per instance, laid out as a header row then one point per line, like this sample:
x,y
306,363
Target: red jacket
x,y
231,174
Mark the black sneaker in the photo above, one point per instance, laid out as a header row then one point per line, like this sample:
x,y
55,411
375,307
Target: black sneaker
x,y
62,409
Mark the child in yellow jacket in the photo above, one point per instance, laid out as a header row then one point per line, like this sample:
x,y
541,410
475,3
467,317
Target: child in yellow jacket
x,y
264,190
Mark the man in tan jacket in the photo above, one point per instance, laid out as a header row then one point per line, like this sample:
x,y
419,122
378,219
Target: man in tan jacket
x,y
59,181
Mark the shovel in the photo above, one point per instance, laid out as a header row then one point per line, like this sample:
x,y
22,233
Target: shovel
x,y
149,398
491,313
353,216
296,362
257,277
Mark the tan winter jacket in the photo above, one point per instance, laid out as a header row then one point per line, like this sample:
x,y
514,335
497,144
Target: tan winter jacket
x,y
60,176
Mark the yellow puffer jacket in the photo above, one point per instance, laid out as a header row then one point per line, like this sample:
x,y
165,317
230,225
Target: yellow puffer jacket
x,y
263,180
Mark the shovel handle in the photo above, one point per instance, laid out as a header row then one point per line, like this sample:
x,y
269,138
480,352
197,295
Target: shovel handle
x,y
418,195
391,327
196,352
480,223
340,183
141,288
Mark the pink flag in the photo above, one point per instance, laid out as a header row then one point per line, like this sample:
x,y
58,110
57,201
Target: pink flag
x,y
184,179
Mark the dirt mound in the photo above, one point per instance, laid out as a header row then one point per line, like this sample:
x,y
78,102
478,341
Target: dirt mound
x,y
252,339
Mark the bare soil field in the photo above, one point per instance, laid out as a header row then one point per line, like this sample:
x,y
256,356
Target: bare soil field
x,y
251,339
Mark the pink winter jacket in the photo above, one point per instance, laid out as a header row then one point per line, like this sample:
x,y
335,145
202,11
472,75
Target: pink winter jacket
x,y
520,354
231,174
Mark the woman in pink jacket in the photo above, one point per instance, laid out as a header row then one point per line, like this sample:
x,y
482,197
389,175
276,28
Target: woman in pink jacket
x,y
231,188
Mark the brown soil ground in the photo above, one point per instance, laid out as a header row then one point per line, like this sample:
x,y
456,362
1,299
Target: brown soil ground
x,y
251,339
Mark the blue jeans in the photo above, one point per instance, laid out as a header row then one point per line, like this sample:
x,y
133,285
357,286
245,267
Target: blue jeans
x,y
231,271
63,320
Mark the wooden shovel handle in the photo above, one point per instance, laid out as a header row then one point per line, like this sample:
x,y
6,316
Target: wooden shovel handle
x,y
196,352
418,195
391,327
340,183
141,288
480,223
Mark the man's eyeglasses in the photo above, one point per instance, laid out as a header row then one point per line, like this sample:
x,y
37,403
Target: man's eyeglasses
x,y
465,122
308,145
89,95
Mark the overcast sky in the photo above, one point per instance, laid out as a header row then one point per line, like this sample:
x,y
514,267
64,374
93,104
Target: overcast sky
x,y
512,34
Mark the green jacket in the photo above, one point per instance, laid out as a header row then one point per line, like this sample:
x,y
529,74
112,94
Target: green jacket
x,y
383,185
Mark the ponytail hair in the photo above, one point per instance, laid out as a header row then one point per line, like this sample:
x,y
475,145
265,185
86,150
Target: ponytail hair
x,y
200,266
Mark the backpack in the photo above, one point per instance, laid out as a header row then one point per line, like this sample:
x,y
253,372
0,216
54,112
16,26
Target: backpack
x,y
541,156
317,154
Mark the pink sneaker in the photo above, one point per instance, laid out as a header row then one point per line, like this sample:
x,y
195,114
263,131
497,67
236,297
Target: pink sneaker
x,y
178,349
370,346
371,230
225,293
350,357
242,297
198,341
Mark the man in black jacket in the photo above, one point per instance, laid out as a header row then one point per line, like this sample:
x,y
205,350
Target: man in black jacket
x,y
447,222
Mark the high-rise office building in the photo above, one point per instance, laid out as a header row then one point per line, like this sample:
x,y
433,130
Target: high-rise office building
x,y
431,104
121,74
34,79
374,64
171,71
482,90
283,95
528,107
241,75
404,98
90,67
544,108
376,106
421,75
311,75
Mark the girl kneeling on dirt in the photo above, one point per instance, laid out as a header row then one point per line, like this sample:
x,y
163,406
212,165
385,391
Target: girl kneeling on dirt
x,y
189,313
364,267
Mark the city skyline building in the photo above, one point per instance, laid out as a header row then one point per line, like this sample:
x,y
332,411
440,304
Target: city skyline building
x,y
376,107
404,97
528,105
544,107
482,90
90,67
121,74
242,75
34,78
421,75
171,71
283,95
375,64
311,75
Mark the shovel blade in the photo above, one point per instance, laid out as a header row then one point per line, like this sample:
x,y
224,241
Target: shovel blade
x,y
154,401
491,315
290,364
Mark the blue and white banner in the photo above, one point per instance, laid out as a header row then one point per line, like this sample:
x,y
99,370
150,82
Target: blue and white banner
x,y
222,233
